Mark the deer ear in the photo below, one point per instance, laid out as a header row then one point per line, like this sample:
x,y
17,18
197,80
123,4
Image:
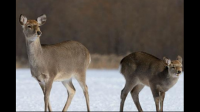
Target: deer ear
x,y
22,19
167,61
41,20
179,58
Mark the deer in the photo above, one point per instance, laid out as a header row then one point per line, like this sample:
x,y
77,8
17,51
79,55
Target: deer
x,y
55,62
143,69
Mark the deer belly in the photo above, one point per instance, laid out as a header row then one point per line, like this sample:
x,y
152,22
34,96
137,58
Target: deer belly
x,y
63,76
144,81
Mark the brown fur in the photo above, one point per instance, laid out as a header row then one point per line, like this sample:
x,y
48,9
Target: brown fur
x,y
56,62
140,69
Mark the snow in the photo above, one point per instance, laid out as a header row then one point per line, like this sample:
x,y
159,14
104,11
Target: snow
x,y
104,93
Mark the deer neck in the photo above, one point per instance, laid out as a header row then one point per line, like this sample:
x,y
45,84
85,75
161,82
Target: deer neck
x,y
34,51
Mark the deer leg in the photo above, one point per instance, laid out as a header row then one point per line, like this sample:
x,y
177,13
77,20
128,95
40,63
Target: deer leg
x,y
128,86
47,90
83,85
70,90
49,105
155,93
162,96
135,95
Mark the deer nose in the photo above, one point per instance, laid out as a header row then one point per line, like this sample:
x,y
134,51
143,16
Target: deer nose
x,y
179,72
39,32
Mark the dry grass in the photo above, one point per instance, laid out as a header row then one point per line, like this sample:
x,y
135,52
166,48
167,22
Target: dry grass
x,y
21,63
105,61
18,65
97,62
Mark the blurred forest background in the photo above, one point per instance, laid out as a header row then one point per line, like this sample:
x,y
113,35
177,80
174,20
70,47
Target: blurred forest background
x,y
110,29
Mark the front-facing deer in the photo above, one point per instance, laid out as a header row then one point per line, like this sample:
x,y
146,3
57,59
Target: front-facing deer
x,y
57,62
140,69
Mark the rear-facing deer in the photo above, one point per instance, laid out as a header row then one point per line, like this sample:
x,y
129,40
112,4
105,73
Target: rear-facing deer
x,y
140,69
57,62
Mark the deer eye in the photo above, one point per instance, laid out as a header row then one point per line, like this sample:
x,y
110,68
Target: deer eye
x,y
173,67
29,26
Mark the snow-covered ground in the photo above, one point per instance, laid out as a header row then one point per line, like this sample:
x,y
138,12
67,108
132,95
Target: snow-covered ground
x,y
104,92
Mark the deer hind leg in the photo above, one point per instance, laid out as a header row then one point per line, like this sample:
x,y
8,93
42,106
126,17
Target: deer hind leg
x,y
128,86
135,95
162,96
82,81
70,90
49,105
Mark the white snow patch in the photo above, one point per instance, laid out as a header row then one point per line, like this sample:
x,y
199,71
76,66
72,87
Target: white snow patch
x,y
104,93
